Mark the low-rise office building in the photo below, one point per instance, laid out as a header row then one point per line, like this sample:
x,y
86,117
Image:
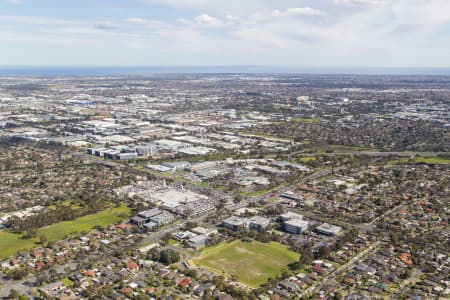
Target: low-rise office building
x,y
258,223
328,229
290,216
199,241
152,218
296,226
234,223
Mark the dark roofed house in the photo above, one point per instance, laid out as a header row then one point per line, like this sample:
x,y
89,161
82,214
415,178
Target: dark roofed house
x,y
291,287
318,269
281,293
202,288
224,296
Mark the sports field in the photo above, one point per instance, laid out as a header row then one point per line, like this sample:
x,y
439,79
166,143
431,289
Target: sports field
x,y
251,262
10,243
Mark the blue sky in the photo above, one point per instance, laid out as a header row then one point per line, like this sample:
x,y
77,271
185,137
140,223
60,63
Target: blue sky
x,y
321,33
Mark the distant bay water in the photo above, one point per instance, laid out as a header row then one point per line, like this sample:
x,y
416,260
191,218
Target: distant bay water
x,y
136,71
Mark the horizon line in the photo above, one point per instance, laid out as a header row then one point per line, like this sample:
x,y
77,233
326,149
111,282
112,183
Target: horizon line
x,y
134,70
220,66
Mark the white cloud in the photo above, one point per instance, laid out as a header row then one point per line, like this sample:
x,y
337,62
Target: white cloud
x,y
148,23
35,20
299,11
422,12
239,8
16,2
87,31
231,18
208,21
105,26
363,2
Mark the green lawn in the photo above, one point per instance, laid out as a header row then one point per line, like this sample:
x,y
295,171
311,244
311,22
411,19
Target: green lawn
x,y
306,159
67,282
338,148
424,160
173,242
251,262
273,199
10,243
104,218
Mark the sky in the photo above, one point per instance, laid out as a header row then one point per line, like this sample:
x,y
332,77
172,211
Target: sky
x,y
288,33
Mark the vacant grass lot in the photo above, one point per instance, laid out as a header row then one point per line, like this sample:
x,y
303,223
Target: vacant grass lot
x,y
251,262
10,243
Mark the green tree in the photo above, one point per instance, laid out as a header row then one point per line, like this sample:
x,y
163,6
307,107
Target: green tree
x,y
43,239
13,294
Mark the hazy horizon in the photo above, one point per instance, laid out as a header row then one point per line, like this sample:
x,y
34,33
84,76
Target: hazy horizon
x,y
236,69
